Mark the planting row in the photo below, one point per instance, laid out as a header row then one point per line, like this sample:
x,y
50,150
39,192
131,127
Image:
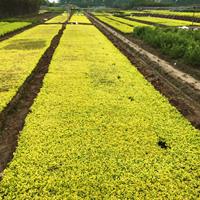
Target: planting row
x,y
123,25
19,56
126,25
162,12
165,21
7,27
13,24
170,12
99,130
183,45
59,19
79,18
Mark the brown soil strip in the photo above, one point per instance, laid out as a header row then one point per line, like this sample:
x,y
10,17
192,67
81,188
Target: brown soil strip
x,y
12,118
43,18
180,94
185,18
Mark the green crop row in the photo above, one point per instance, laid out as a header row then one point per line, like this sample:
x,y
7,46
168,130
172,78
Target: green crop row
x,y
170,12
94,130
176,43
19,56
7,27
165,21
129,22
79,18
123,25
59,19
117,25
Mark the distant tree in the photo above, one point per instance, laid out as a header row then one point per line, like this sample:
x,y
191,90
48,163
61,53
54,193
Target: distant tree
x,y
19,7
127,3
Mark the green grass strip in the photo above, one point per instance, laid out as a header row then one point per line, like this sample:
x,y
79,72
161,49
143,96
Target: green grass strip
x,y
7,27
19,56
94,129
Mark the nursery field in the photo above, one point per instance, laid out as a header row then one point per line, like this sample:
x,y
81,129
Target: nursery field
x,y
161,12
98,129
18,57
79,18
170,12
171,41
123,25
165,21
59,19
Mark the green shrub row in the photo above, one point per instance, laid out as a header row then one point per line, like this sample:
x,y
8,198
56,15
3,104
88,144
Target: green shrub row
x,y
176,43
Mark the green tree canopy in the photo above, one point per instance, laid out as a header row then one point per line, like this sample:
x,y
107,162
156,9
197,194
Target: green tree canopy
x,y
19,7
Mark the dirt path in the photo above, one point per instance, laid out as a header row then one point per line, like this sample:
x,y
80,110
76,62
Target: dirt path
x,y
13,116
182,90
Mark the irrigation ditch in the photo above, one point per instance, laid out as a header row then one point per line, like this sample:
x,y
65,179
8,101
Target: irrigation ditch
x,y
12,118
181,89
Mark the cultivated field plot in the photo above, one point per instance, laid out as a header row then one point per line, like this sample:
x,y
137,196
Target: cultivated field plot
x,y
7,27
168,12
99,130
123,25
165,21
19,56
79,18
59,19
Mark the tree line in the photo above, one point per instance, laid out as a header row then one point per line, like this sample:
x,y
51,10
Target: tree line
x,y
19,7
129,3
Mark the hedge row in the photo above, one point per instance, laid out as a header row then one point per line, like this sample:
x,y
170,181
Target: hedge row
x,y
176,43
